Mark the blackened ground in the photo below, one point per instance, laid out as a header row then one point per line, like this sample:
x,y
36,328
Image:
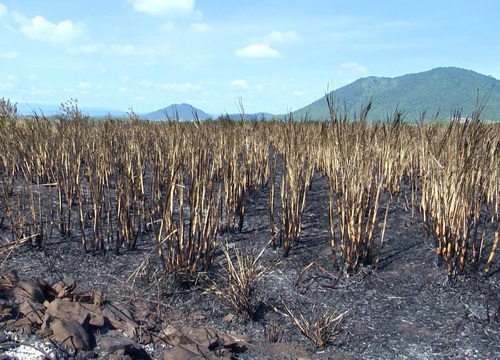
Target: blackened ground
x,y
403,307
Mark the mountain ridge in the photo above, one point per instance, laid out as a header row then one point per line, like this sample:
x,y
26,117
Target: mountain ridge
x,y
183,112
442,91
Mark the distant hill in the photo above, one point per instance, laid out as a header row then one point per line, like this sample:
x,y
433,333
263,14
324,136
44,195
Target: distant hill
x,y
251,117
184,112
442,89
52,110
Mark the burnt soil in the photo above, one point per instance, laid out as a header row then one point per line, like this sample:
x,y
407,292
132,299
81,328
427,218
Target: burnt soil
x,y
403,307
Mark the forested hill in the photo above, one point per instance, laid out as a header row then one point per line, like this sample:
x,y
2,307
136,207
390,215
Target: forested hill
x,y
443,90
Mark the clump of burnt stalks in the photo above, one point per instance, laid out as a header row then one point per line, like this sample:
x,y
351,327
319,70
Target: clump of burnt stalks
x,y
298,169
354,164
237,286
459,176
118,184
319,326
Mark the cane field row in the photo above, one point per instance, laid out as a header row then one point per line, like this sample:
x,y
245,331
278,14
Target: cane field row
x,y
110,182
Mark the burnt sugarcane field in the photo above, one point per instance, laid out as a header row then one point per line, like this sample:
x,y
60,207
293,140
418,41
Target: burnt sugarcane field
x,y
238,239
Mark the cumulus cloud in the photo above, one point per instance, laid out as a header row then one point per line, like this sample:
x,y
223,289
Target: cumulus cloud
x,y
38,28
200,27
175,87
163,7
182,87
9,54
353,67
258,51
36,91
3,10
146,83
165,27
239,83
124,49
111,49
282,37
264,49
6,86
84,85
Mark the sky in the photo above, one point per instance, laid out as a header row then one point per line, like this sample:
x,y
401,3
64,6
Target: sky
x,y
274,56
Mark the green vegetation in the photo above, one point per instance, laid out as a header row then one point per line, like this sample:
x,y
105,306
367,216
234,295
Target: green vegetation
x,y
443,90
177,111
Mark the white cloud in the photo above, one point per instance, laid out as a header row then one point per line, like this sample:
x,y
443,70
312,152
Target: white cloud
x,y
201,27
125,49
11,77
38,28
38,91
122,90
163,7
263,49
175,87
9,54
258,87
182,87
239,83
258,51
353,67
282,37
6,86
146,83
84,85
298,93
400,24
3,10
165,27
111,49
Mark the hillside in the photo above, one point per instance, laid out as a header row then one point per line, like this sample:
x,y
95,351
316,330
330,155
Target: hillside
x,y
442,89
174,111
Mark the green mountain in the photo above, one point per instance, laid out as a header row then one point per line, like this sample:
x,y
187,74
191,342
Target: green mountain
x,y
187,112
444,90
184,112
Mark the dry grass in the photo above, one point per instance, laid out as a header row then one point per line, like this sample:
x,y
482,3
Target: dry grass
x,y
237,287
114,182
459,168
321,327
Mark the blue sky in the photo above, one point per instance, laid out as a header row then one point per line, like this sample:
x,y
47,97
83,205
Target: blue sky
x,y
277,56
